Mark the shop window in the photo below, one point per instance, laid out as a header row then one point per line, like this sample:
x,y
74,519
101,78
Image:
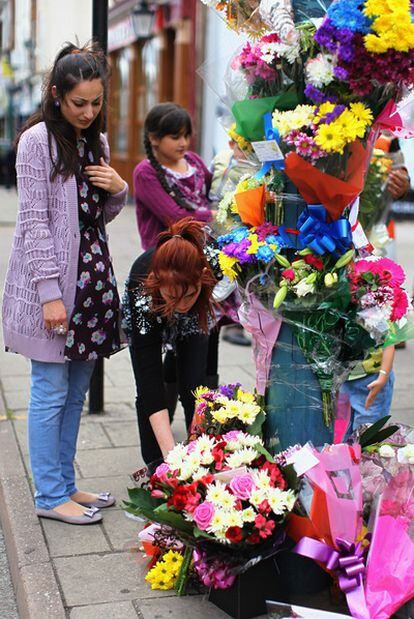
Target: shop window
x,y
120,101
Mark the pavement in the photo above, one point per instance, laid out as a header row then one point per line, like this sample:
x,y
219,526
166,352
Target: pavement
x,y
84,572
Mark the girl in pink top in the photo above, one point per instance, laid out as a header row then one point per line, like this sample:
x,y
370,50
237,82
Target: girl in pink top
x,y
172,182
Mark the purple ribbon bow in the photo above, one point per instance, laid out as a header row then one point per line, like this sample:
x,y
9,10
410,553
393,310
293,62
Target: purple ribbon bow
x,y
348,561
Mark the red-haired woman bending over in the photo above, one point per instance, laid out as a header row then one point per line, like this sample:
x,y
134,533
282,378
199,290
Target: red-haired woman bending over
x,y
167,304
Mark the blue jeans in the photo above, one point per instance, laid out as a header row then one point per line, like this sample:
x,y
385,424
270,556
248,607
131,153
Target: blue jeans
x,y
57,395
357,392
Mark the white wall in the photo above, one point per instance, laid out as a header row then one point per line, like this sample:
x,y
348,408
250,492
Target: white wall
x,y
59,21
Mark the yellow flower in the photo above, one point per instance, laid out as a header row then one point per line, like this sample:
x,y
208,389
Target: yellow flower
x,y
362,112
173,561
350,125
330,138
239,139
160,577
200,391
228,265
254,244
220,415
246,396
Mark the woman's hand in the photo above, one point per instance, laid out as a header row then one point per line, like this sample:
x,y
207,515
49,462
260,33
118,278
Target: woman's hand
x,y
105,177
374,388
398,183
55,317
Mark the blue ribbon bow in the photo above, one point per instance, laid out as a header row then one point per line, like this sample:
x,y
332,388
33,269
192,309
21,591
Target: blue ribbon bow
x,y
271,133
320,236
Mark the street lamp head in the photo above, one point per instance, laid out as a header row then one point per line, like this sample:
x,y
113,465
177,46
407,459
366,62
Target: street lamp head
x,y
143,17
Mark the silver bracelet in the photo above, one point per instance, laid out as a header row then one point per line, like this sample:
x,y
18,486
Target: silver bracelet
x,y
384,372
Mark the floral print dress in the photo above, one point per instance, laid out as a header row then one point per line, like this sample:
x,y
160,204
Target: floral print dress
x,y
93,327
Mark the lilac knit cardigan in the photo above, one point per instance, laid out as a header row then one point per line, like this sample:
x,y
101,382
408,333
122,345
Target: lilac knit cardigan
x,y
43,265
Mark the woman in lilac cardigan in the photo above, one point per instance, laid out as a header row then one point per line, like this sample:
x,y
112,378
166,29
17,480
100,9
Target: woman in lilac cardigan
x,y
61,305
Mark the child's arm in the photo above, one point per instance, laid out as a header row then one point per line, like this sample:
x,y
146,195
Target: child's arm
x,y
379,383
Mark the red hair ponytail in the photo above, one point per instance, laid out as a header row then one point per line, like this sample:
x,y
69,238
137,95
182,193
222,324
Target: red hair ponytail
x,y
179,263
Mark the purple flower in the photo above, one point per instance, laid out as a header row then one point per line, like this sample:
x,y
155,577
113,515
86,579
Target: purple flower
x,y
341,73
228,390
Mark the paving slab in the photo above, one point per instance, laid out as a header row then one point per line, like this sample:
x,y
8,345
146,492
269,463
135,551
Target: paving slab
x,y
116,610
92,436
187,607
75,540
122,433
108,578
121,530
112,461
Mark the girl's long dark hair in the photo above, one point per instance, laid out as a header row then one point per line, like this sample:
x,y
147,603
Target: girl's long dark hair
x,y
72,65
179,262
166,119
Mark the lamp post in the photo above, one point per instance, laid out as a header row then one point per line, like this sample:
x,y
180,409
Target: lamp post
x,y
99,34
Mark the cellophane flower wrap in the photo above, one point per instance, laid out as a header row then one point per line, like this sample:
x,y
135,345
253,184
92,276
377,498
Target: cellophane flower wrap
x,y
389,581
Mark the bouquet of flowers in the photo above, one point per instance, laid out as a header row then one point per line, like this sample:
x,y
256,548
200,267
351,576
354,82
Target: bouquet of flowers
x,y
227,408
375,199
376,288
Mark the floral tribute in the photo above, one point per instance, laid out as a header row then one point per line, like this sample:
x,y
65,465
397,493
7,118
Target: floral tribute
x,y
318,83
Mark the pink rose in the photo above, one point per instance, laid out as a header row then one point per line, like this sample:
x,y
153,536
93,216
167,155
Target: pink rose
x,y
203,515
162,470
242,486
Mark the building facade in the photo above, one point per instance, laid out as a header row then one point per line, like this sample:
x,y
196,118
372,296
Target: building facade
x,y
153,50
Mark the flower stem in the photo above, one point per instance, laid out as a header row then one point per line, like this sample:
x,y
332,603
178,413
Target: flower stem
x,y
183,574
327,406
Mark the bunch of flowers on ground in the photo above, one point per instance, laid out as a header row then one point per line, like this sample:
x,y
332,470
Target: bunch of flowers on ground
x,y
228,408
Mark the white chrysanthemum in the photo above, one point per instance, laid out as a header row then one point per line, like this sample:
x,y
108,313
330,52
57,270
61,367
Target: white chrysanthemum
x,y
216,492
224,207
186,472
290,51
290,498
248,514
257,496
240,457
200,473
176,456
277,500
228,501
233,519
261,479
204,442
319,70
248,440
234,460
268,51
217,523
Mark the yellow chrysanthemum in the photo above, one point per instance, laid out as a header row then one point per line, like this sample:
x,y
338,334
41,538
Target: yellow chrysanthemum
x,y
228,265
254,244
200,391
160,577
330,138
350,125
325,108
362,112
246,396
220,415
239,139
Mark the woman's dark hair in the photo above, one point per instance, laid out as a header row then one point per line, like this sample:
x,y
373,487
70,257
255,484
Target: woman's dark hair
x,y
179,262
166,119
72,65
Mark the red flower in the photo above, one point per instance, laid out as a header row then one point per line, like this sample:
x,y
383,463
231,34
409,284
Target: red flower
x,y
264,507
234,534
185,497
218,455
314,261
253,538
265,527
275,475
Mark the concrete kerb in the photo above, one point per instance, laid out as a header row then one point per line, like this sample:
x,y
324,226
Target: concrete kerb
x,y
34,581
